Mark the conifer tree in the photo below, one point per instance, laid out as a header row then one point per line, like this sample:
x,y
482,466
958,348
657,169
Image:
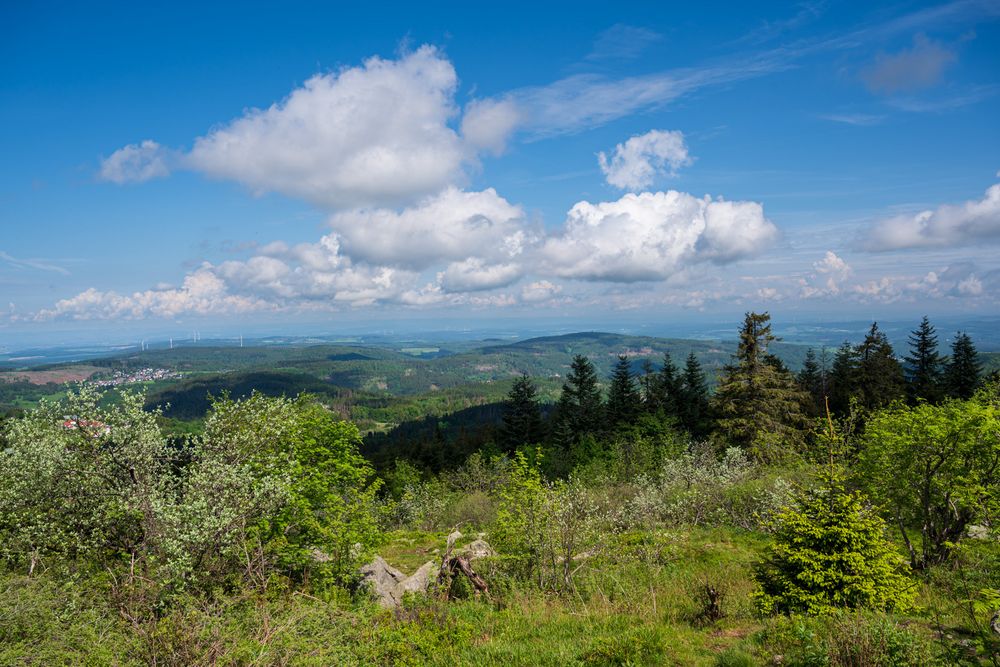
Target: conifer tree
x,y
648,387
672,385
623,397
843,381
963,370
693,406
812,380
880,376
758,401
661,390
923,365
522,417
580,405
830,552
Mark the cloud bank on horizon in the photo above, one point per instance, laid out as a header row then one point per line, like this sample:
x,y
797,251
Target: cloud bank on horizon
x,y
386,150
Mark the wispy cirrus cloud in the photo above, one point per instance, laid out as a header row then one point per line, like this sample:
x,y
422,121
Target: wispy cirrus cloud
x,y
622,42
37,264
858,119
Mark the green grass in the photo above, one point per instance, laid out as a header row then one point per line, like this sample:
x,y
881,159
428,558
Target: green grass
x,y
625,610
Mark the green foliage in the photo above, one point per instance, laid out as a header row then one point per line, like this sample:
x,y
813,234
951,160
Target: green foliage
x,y
846,640
830,552
964,371
758,401
329,498
272,485
624,400
580,403
542,528
843,379
814,380
81,481
879,374
924,365
698,488
522,417
935,469
694,410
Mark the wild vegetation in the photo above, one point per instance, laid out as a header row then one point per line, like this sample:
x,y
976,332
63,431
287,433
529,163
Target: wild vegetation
x,y
846,515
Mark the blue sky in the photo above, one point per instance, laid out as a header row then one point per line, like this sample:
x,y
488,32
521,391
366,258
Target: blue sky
x,y
169,164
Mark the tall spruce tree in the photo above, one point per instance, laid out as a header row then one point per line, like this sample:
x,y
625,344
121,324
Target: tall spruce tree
x,y
843,381
758,402
923,365
522,416
661,390
648,389
693,406
671,386
812,380
880,375
624,402
963,371
580,405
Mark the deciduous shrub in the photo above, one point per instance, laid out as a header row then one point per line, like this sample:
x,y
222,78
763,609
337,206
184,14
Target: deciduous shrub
x,y
699,488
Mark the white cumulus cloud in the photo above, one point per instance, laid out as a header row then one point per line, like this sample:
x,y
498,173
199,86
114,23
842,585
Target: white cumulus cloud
x,y
539,290
371,135
202,293
475,274
972,222
651,236
452,226
135,163
487,124
638,162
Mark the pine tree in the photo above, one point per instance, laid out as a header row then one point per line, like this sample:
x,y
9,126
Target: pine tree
x,y
829,552
522,417
964,370
672,385
623,397
758,402
843,380
661,391
812,380
580,403
880,376
648,387
923,372
693,407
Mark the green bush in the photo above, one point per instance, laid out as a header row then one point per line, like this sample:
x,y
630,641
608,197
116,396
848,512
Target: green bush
x,y
830,552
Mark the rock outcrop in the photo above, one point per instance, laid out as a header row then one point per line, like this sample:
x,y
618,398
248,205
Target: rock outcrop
x,y
388,585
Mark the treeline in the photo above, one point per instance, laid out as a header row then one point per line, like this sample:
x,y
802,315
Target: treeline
x,y
758,405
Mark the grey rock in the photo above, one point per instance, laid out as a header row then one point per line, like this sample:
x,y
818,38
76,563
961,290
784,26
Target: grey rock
x,y
454,537
388,585
382,581
419,581
976,532
477,549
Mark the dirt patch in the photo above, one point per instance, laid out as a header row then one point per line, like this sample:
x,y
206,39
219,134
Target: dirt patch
x,y
57,376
